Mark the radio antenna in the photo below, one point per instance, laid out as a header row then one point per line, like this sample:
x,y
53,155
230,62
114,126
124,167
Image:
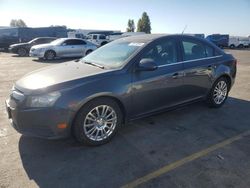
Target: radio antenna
x,y
184,29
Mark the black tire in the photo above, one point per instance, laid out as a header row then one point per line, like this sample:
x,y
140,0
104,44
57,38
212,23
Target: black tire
x,y
103,43
22,52
232,46
211,96
79,130
50,55
88,52
241,46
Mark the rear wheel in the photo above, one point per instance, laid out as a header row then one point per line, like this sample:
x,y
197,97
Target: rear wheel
x,y
88,52
218,93
241,46
97,122
103,43
22,52
232,46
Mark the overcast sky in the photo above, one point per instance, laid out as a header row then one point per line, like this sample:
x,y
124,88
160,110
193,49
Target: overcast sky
x,y
200,16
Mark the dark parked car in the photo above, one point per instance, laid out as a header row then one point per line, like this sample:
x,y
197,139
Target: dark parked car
x,y
13,35
22,49
219,40
124,80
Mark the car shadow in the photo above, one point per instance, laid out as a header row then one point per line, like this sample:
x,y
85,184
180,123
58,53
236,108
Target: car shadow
x,y
140,147
61,60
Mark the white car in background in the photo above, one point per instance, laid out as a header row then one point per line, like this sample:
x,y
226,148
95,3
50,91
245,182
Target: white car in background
x,y
238,42
98,39
63,47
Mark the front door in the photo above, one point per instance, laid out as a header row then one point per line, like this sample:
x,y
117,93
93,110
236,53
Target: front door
x,y
154,90
67,48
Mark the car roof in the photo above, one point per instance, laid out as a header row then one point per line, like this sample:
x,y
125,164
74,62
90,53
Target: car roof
x,y
45,38
71,38
146,38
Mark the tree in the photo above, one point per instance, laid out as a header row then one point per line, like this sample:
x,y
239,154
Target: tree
x,y
17,23
131,26
144,24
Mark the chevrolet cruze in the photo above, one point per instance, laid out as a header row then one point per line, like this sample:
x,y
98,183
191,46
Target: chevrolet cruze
x,y
124,80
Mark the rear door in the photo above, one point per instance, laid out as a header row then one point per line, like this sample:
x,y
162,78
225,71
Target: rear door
x,y
80,47
199,62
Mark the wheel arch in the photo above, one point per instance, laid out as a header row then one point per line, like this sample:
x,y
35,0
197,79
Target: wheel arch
x,y
227,77
114,98
52,50
88,51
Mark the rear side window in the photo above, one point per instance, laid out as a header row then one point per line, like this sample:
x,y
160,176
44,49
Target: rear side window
x,y
69,42
102,37
80,42
45,40
209,51
38,41
74,42
49,40
196,50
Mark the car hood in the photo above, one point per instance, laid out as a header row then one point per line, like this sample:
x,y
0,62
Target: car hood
x,y
57,74
19,44
42,46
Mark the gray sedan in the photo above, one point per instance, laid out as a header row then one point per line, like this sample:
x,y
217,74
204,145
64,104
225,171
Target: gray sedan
x,y
126,79
63,47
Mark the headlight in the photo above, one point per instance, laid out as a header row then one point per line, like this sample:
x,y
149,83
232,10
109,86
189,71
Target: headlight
x,y
46,100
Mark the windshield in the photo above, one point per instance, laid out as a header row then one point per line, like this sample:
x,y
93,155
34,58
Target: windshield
x,y
112,55
33,40
57,41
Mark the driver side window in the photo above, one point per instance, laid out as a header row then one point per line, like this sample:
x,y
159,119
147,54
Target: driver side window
x,y
163,52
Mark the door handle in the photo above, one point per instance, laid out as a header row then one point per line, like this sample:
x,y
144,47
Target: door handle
x,y
175,75
209,67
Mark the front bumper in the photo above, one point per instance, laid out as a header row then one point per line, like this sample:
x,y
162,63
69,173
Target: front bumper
x,y
39,122
36,54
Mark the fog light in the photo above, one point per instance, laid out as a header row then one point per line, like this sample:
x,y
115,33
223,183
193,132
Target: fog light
x,y
62,126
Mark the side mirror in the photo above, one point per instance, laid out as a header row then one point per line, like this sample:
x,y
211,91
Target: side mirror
x,y
147,64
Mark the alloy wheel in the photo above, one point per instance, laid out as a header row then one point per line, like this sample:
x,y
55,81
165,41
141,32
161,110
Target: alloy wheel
x,y
100,123
21,52
50,55
220,92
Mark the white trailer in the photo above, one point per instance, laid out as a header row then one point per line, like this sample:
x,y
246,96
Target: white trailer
x,y
238,42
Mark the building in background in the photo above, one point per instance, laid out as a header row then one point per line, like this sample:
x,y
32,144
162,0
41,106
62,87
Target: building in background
x,y
12,35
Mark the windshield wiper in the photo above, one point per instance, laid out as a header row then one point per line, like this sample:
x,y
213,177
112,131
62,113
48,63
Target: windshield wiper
x,y
94,64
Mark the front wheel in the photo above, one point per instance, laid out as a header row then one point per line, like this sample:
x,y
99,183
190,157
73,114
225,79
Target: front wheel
x,y
97,122
218,93
50,55
22,52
